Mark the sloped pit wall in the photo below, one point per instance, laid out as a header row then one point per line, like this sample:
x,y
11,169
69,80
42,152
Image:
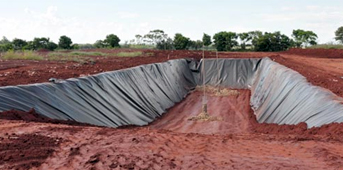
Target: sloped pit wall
x,y
283,96
278,94
131,96
138,95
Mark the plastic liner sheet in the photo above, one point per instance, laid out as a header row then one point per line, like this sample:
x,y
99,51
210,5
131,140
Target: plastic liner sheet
x,y
283,96
233,73
139,95
134,96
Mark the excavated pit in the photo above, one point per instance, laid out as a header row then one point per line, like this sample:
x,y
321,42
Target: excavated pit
x,y
256,96
139,95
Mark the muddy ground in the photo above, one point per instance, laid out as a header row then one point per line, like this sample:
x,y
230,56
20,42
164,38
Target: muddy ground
x,y
237,141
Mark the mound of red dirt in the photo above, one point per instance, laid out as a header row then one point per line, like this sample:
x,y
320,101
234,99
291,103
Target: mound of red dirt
x,y
32,116
321,53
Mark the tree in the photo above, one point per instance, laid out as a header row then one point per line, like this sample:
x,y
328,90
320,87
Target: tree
x,y
51,46
4,40
6,47
29,46
244,38
138,39
99,44
18,44
165,44
5,44
224,41
65,42
40,43
253,36
112,40
180,42
196,45
206,39
75,46
304,38
272,42
86,46
155,36
339,34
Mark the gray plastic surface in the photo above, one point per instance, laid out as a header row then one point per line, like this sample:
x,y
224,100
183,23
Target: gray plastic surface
x,y
283,96
138,95
131,96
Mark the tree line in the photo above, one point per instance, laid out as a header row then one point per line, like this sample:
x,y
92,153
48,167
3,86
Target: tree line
x,y
221,41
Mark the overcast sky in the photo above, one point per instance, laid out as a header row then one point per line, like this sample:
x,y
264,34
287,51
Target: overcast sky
x,y
86,21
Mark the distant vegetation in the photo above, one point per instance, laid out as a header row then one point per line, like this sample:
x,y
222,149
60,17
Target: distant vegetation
x,y
129,54
158,39
63,56
77,53
22,55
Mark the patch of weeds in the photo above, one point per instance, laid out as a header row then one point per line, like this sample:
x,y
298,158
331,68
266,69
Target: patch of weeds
x,y
129,54
76,53
82,60
24,55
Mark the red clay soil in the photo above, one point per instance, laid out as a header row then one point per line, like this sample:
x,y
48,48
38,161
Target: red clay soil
x,y
173,142
231,110
25,151
32,116
320,53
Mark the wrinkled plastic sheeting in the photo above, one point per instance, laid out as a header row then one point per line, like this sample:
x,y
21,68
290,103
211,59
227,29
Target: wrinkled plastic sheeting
x,y
131,96
139,95
233,73
283,96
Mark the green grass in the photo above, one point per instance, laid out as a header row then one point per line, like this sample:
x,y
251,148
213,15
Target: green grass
x,y
76,53
129,54
81,60
327,46
25,55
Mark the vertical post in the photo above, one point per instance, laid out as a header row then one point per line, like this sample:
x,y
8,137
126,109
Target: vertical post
x,y
204,104
218,90
203,75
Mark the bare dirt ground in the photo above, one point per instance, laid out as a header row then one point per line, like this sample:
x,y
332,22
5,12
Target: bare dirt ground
x,y
28,141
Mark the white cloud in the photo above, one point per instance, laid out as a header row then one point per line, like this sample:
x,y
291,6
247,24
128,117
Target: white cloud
x,y
312,7
50,24
321,20
286,8
127,15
